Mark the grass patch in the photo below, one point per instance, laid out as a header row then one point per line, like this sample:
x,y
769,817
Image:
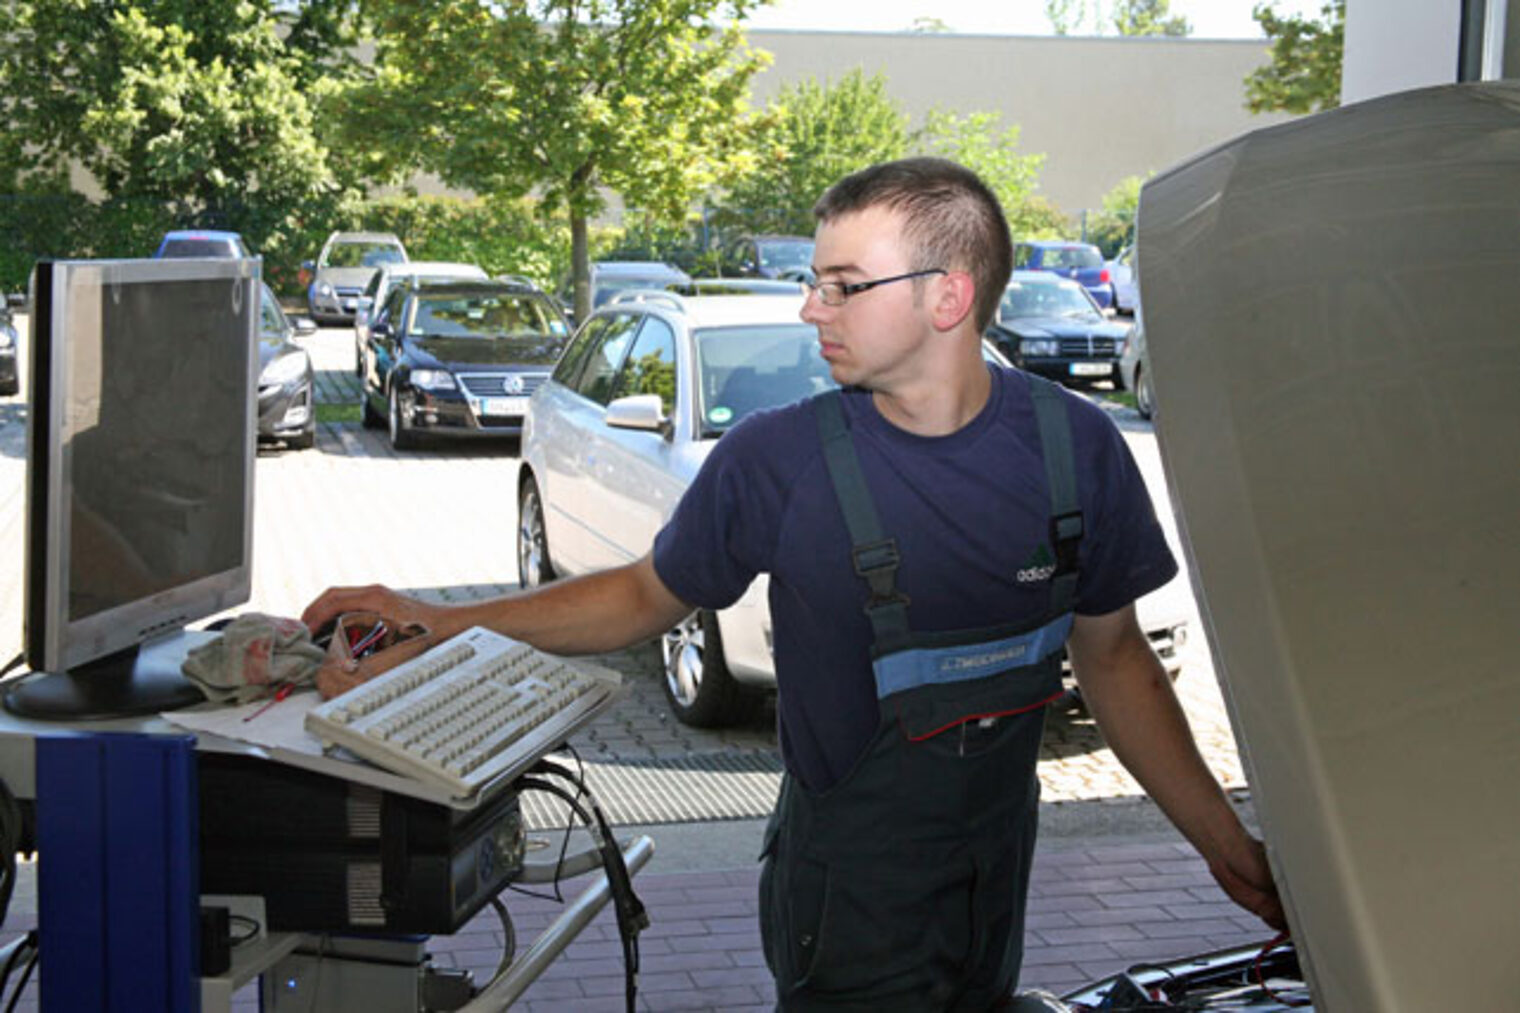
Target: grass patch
x,y
337,412
1123,397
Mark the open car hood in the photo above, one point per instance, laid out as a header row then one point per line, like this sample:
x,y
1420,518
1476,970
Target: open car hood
x,y
1330,306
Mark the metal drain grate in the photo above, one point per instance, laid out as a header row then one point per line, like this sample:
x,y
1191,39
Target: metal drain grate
x,y
694,788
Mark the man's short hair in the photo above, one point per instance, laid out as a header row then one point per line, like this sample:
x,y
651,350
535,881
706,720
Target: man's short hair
x,y
951,220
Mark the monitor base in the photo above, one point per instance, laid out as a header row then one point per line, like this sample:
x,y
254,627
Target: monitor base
x,y
133,682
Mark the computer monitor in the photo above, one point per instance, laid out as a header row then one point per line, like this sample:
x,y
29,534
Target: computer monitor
x,y
139,477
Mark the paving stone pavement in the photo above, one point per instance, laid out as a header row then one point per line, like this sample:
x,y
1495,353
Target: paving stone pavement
x,y
354,511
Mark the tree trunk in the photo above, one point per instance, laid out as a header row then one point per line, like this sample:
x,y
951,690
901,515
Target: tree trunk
x,y
580,265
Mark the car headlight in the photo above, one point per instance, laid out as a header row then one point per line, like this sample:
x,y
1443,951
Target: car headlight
x,y
284,369
324,289
433,379
1039,346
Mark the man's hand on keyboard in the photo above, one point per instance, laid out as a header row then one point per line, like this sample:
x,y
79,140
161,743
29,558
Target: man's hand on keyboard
x,y
396,608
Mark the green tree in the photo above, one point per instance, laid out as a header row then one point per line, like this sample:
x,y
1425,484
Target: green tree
x,y
1304,75
1113,226
560,98
974,141
1148,17
190,106
1066,16
811,135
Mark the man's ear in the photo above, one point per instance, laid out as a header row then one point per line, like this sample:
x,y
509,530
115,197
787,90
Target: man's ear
x,y
953,299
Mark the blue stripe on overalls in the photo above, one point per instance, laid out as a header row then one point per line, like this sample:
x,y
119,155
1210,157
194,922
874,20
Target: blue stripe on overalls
x,y
902,887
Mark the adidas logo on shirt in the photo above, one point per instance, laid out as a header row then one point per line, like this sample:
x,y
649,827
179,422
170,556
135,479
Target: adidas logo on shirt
x,y
1038,567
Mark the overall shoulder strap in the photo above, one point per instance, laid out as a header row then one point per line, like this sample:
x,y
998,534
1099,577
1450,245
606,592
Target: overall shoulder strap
x,y
874,555
1061,474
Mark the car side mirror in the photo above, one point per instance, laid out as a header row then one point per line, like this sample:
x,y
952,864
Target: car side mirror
x,y
639,411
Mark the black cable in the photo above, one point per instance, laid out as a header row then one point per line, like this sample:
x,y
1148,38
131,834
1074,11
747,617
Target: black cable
x,y
21,984
251,933
509,932
632,918
10,841
25,943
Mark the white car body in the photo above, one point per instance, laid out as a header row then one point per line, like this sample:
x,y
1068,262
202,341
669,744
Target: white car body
x,y
1126,282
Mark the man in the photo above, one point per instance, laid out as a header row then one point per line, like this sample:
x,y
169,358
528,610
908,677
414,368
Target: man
x,y
934,534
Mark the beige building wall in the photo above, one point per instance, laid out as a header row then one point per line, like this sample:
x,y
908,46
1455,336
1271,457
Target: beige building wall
x,y
1100,109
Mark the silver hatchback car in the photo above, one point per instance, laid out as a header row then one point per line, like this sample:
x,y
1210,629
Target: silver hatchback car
x,y
610,443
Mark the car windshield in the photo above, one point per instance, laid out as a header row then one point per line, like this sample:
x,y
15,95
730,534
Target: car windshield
x,y
363,255
1034,299
746,368
1072,256
198,248
525,325
786,254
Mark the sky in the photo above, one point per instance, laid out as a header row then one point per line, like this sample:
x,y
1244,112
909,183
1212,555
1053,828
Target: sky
x,y
1211,19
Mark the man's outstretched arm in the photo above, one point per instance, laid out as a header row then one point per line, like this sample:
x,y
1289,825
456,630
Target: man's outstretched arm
x,y
597,612
1127,689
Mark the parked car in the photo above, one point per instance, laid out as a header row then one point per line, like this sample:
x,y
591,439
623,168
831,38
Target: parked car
x,y
287,405
735,286
201,243
390,275
10,378
1126,282
609,277
458,358
646,387
618,433
1135,371
787,257
1081,262
343,270
1051,325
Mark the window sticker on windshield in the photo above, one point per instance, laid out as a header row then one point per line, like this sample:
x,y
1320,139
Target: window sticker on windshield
x,y
720,415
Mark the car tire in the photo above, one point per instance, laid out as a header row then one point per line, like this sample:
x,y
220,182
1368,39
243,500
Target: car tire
x,y
698,685
1145,396
533,565
402,438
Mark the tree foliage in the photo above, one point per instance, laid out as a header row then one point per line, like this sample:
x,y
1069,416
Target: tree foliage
x,y
560,98
1113,226
192,105
811,135
1304,75
1149,17
974,141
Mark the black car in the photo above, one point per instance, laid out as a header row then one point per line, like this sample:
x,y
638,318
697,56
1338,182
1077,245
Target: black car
x,y
1051,326
10,381
287,409
458,358
789,258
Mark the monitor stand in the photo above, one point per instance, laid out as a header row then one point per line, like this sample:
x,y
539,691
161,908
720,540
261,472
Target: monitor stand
x,y
133,682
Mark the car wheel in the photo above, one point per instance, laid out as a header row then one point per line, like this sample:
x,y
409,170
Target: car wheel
x,y
533,566
698,685
402,438
1145,397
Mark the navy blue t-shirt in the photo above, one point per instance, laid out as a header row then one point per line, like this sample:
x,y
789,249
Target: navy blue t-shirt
x,y
970,512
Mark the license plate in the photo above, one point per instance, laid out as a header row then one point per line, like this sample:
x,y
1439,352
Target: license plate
x,y
504,406
1090,369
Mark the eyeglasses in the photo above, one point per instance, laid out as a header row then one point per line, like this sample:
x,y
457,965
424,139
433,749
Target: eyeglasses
x,y
836,293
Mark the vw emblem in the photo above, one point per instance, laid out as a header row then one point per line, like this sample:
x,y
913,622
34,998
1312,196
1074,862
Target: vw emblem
x,y
512,384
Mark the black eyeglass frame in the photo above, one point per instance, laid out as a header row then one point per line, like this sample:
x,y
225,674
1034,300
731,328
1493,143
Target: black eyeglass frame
x,y
846,289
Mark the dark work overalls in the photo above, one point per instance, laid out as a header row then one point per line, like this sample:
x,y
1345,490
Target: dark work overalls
x,y
902,887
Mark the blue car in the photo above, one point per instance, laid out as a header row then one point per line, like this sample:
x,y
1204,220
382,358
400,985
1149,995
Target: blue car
x,y
1081,262
201,243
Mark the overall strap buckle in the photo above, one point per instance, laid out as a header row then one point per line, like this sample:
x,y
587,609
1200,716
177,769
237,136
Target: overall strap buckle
x,y
877,562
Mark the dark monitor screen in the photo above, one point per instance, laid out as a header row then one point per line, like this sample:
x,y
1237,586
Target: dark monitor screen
x,y
139,475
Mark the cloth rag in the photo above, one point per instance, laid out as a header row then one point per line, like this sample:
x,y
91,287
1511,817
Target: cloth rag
x,y
255,654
